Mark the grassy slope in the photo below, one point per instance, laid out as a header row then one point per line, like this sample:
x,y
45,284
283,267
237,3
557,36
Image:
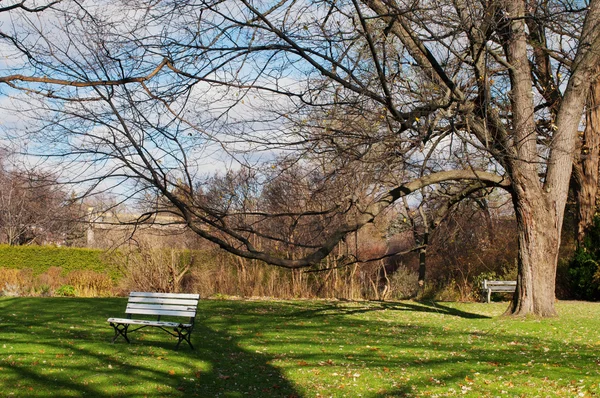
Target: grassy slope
x,y
61,347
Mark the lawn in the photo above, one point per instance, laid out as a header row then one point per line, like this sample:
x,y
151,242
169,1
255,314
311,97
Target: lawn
x,y
61,347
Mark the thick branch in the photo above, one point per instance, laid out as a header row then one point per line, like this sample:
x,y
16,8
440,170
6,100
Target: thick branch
x,y
82,83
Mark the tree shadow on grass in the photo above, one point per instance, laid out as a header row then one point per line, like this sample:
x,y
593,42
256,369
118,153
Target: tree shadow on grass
x,y
61,347
456,353
359,307
433,306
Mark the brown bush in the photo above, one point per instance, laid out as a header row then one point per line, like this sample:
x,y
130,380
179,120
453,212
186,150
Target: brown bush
x,y
149,267
90,283
14,282
52,278
9,276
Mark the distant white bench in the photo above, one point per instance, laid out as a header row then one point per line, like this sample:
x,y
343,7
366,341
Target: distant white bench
x,y
490,287
158,304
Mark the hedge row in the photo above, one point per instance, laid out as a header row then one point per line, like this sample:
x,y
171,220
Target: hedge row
x,y
40,258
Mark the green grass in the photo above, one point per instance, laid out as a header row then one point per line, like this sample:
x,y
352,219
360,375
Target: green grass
x,y
61,347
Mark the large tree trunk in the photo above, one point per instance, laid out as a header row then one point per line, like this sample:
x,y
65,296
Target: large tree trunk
x,y
539,209
539,240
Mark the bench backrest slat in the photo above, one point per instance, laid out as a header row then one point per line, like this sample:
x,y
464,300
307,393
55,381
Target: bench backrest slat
x,y
159,304
166,295
160,312
162,307
162,301
499,284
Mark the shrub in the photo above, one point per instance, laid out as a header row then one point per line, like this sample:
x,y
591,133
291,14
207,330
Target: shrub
x,y
450,291
9,276
83,282
151,269
11,290
43,290
26,281
52,277
90,283
17,281
404,283
66,291
42,258
583,270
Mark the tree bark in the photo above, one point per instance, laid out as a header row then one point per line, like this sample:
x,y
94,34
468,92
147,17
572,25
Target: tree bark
x,y
538,235
585,173
539,240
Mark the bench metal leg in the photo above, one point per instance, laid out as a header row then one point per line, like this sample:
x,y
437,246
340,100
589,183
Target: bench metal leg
x,y
183,334
120,330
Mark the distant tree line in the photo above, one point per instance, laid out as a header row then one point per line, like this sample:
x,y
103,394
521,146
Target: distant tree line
x,y
36,209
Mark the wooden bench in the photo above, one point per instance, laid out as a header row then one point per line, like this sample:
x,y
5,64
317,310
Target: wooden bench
x,y
490,287
158,304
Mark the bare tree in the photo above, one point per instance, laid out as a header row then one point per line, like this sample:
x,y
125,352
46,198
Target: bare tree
x,y
489,91
34,208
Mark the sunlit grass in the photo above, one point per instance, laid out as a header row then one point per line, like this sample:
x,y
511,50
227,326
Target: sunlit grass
x,y
61,347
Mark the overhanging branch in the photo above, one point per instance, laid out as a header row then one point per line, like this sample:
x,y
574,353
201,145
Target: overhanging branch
x,y
366,216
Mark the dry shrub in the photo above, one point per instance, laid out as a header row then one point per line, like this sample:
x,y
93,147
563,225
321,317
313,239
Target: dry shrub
x,y
404,283
52,278
27,281
90,283
11,290
222,274
22,282
208,279
9,282
154,269
9,276
453,291
16,282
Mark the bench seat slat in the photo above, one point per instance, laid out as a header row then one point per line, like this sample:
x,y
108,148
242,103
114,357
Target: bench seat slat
x,y
165,295
147,323
162,301
145,311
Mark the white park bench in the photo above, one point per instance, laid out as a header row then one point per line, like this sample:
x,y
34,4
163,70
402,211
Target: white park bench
x,y
490,287
158,304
